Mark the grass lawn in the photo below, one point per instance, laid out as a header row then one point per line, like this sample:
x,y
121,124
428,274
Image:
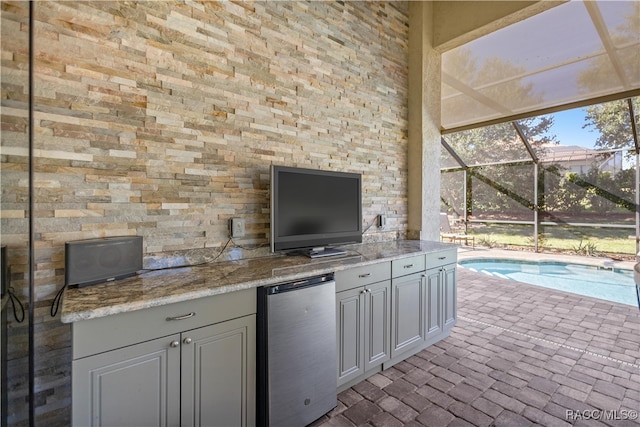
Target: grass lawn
x,y
581,240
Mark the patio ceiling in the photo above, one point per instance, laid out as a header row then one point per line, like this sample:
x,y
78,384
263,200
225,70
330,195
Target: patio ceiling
x,y
577,53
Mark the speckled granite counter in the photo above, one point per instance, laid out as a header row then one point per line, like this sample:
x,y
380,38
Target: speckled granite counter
x,y
162,287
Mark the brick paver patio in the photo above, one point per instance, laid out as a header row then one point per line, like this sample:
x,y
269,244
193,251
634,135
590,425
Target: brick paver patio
x,y
520,355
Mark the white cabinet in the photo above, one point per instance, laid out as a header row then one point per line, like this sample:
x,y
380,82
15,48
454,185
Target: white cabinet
x,y
377,327
423,301
134,385
408,304
202,376
450,295
218,374
193,363
441,274
441,302
363,312
441,295
435,298
350,334
382,321
409,311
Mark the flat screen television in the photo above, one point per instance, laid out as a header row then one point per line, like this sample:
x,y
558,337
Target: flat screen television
x,y
312,211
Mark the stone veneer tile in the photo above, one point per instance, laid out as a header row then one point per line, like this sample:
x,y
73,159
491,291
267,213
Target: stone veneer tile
x,y
161,120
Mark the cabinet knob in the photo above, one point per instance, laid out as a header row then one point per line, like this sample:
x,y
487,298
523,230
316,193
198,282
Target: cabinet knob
x,y
174,344
187,340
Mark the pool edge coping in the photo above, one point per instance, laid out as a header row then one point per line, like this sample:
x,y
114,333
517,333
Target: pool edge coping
x,y
480,253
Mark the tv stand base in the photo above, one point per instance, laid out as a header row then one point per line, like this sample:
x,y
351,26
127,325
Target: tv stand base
x,y
320,252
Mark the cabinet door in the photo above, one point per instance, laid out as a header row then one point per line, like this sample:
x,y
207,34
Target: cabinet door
x,y
408,299
218,374
135,385
377,324
350,334
434,313
450,298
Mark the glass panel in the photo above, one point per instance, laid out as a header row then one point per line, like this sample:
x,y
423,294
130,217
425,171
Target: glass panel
x,y
503,192
572,52
591,241
502,236
446,160
14,212
490,144
460,109
587,175
631,64
452,193
611,122
620,19
576,134
598,188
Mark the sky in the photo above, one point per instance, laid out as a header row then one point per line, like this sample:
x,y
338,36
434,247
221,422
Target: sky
x,y
567,127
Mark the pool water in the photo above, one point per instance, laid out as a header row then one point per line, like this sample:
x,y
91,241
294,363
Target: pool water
x,y
615,285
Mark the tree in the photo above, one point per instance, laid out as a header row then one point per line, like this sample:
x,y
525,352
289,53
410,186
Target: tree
x,y
613,122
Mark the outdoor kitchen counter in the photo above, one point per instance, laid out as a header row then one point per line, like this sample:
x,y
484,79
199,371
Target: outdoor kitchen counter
x,y
161,287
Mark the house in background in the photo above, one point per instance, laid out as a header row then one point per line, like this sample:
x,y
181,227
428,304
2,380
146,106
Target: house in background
x,y
581,159
161,119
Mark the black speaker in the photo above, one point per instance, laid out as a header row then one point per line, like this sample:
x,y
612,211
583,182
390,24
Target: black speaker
x,y
92,261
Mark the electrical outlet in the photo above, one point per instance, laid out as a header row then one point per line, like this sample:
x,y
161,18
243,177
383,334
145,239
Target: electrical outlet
x,y
236,227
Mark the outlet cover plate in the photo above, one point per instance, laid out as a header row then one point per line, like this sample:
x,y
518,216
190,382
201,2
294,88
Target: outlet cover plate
x,y
237,227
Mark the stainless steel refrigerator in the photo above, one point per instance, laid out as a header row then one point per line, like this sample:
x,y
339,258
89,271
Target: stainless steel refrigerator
x,y
297,360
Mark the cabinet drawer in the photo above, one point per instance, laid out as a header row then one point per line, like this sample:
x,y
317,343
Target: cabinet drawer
x,y
438,259
94,336
404,266
359,276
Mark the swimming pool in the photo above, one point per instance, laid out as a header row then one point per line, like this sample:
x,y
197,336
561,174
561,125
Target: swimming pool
x,y
615,285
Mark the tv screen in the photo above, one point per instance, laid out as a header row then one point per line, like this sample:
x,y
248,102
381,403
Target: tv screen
x,y
314,208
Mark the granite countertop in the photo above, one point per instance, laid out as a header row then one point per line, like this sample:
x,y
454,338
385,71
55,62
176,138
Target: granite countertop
x,y
156,288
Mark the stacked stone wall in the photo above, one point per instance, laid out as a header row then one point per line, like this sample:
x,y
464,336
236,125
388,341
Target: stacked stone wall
x,y
161,119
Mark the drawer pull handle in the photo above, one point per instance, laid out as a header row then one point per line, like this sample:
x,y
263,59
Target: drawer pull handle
x,y
408,266
364,275
183,317
442,257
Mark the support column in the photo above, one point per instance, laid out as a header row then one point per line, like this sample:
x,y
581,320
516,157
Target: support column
x,y
424,126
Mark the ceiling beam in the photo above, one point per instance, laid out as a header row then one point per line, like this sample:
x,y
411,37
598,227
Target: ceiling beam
x,y
472,93
549,110
605,37
458,22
